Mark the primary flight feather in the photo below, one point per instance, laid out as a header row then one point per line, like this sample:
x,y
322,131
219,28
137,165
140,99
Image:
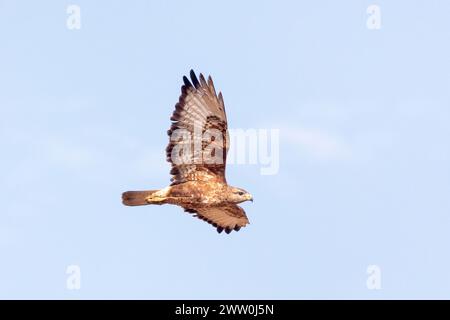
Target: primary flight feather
x,y
197,151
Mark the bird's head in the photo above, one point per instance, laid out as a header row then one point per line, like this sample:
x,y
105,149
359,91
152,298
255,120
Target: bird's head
x,y
238,195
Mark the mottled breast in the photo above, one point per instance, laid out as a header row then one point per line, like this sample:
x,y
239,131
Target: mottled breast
x,y
199,192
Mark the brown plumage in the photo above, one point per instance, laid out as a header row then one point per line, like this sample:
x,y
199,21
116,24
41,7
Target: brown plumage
x,y
197,151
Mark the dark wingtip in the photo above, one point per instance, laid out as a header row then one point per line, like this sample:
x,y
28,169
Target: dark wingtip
x,y
186,81
219,229
194,79
228,230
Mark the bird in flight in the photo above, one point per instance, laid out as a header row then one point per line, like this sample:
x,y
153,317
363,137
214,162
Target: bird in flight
x,y
197,151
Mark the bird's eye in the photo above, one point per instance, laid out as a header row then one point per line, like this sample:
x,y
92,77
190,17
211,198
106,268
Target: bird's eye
x,y
240,193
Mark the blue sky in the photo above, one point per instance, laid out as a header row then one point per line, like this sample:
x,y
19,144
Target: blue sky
x,y
363,118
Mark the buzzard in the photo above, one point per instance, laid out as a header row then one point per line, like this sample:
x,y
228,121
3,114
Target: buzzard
x,y
197,151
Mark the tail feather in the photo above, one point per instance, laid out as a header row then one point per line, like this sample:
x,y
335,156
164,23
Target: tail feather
x,y
136,198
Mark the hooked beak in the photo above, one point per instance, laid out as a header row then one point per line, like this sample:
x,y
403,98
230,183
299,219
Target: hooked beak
x,y
250,197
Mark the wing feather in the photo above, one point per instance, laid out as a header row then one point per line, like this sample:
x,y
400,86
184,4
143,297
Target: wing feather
x,y
228,218
199,109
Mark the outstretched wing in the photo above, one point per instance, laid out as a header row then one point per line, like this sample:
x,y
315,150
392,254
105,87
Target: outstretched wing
x,y
228,218
198,142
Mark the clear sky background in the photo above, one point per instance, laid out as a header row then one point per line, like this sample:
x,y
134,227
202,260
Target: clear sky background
x,y
364,173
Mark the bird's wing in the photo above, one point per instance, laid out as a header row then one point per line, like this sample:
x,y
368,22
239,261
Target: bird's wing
x,y
230,217
199,140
